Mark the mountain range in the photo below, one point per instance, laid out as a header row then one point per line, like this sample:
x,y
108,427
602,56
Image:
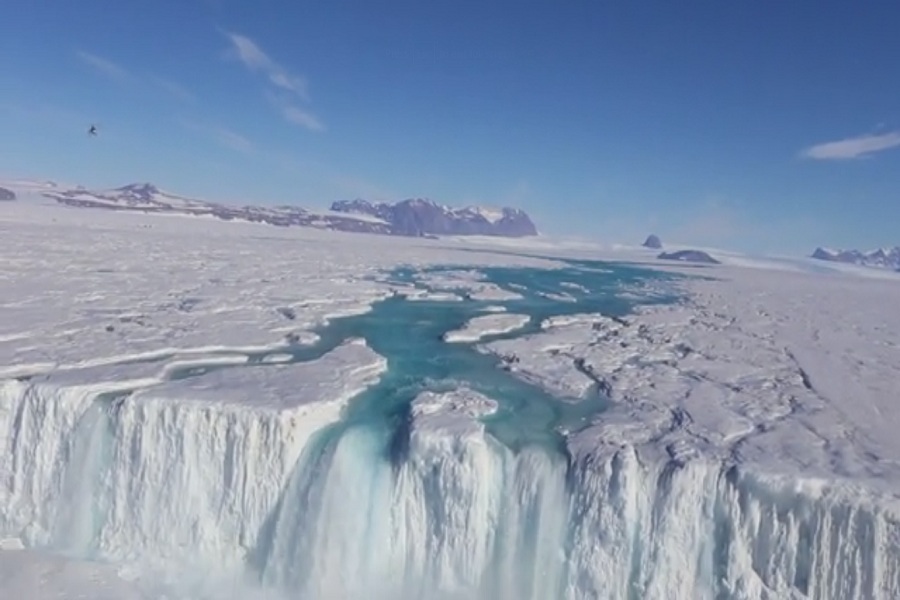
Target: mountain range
x,y
883,258
415,217
422,217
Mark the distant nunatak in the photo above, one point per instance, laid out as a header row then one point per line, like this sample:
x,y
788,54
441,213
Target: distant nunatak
x,y
414,217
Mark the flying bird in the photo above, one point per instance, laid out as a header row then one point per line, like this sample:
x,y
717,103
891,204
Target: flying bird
x,y
92,130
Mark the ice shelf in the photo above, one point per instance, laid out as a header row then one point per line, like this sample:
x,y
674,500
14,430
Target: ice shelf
x,y
749,450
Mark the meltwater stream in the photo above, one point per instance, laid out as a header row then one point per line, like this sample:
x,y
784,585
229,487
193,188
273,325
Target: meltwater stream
x,y
409,334
375,502
379,506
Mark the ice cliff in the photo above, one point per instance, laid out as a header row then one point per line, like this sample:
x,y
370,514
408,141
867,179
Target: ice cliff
x,y
433,509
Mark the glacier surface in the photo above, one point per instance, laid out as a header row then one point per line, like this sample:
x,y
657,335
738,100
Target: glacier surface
x,y
214,440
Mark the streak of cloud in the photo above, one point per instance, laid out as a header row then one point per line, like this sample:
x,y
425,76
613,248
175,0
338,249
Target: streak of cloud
x,y
103,66
292,90
854,147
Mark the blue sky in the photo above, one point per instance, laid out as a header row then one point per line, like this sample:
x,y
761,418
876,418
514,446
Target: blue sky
x,y
762,126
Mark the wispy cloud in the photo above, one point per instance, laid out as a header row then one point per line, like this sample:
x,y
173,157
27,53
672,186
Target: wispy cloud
x,y
301,117
293,88
118,73
175,90
222,135
104,66
233,140
253,57
855,147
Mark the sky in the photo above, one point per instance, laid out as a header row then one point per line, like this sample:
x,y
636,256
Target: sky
x,y
764,126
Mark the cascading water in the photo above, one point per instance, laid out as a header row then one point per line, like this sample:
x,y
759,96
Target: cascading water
x,y
408,498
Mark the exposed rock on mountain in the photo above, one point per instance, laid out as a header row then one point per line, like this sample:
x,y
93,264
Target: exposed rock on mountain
x,y
146,197
695,256
653,242
6,194
883,258
417,217
408,218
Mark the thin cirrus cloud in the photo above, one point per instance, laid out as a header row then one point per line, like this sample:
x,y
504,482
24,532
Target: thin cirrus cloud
x,y
249,53
103,66
293,88
120,74
175,90
225,137
855,147
298,116
233,140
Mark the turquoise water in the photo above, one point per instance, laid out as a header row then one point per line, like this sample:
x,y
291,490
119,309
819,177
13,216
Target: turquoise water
x,y
373,437
409,335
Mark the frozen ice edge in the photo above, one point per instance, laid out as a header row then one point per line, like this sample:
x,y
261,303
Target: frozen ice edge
x,y
487,325
240,424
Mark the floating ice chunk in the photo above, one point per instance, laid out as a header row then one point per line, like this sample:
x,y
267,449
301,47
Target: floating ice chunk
x,y
493,293
487,325
557,297
574,286
494,308
426,296
471,282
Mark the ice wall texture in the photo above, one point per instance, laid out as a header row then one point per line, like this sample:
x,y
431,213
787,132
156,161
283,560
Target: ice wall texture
x,y
148,480
437,509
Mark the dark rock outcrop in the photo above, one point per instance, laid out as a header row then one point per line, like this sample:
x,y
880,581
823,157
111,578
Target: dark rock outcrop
x,y
694,256
6,195
883,258
653,242
419,217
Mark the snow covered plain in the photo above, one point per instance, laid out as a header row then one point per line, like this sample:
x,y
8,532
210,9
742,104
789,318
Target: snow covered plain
x,y
748,450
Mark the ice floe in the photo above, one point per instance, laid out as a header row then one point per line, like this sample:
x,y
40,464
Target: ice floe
x,y
487,325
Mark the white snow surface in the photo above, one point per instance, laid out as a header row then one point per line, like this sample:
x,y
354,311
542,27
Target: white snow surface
x,y
749,450
794,372
81,286
487,325
491,214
